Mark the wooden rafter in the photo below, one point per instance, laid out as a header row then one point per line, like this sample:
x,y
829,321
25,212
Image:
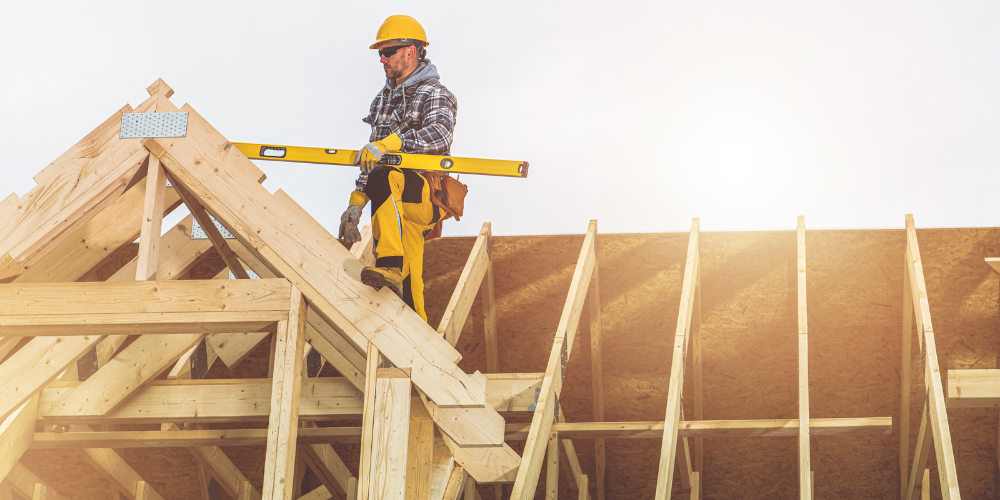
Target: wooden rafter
x,y
935,408
689,288
805,468
544,415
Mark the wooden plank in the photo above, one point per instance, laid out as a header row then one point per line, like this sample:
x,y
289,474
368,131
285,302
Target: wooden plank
x,y
328,465
22,481
940,429
710,428
390,431
597,376
489,306
231,348
35,365
117,225
783,428
442,465
805,460
373,360
16,434
664,480
152,220
698,385
542,419
39,492
420,453
582,487
362,250
225,472
97,298
552,468
318,493
248,400
920,455
456,484
186,438
994,263
283,423
123,478
571,457
178,252
904,382
469,282
973,388
140,362
123,324
45,226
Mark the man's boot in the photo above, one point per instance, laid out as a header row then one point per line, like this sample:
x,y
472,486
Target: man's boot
x,y
378,277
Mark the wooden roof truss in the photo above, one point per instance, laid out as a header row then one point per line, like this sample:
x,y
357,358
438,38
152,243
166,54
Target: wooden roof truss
x,y
136,348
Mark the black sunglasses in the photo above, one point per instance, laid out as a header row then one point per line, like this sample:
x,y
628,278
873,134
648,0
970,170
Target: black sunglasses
x,y
389,51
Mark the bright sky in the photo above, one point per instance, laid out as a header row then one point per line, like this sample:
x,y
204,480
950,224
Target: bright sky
x,y
639,114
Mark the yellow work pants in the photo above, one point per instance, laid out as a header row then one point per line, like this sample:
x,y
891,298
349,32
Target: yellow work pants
x,y
402,214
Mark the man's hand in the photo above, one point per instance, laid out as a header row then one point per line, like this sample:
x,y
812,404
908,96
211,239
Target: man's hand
x,y
349,234
372,152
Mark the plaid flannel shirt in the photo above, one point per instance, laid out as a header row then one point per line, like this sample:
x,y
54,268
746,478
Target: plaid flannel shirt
x,y
420,110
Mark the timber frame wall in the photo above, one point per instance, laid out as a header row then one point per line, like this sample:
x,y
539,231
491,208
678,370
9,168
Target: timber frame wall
x,y
136,348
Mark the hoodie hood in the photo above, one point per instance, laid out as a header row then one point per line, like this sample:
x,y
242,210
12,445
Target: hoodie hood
x,y
425,71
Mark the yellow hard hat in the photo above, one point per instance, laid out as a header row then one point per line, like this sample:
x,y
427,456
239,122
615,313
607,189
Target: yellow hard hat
x,y
400,27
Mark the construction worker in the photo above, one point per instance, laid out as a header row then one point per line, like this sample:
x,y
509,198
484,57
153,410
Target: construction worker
x,y
413,113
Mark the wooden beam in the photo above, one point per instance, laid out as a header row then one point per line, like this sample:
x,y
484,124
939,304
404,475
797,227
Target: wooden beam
x,y
117,225
365,472
974,388
420,453
514,432
149,297
904,382
16,434
552,468
152,219
22,481
489,306
994,263
226,474
390,429
218,241
123,478
541,421
920,455
142,361
35,365
597,375
283,423
248,400
47,224
664,480
940,429
469,282
805,467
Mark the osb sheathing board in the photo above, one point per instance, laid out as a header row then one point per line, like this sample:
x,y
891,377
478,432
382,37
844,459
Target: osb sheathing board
x,y
748,326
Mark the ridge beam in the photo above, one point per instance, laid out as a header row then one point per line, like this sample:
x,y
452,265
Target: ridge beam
x,y
562,345
689,289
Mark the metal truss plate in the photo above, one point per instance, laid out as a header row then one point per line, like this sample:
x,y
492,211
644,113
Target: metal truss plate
x,y
154,125
198,232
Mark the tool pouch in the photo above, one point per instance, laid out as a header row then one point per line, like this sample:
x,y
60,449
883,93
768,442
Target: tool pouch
x,y
449,195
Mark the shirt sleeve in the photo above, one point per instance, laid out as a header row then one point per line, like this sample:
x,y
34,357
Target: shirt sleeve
x,y
437,125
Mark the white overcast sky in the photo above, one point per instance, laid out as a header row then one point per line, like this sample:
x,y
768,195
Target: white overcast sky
x,y
639,114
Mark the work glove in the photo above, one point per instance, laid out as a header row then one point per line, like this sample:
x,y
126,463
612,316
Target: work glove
x,y
372,152
349,234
